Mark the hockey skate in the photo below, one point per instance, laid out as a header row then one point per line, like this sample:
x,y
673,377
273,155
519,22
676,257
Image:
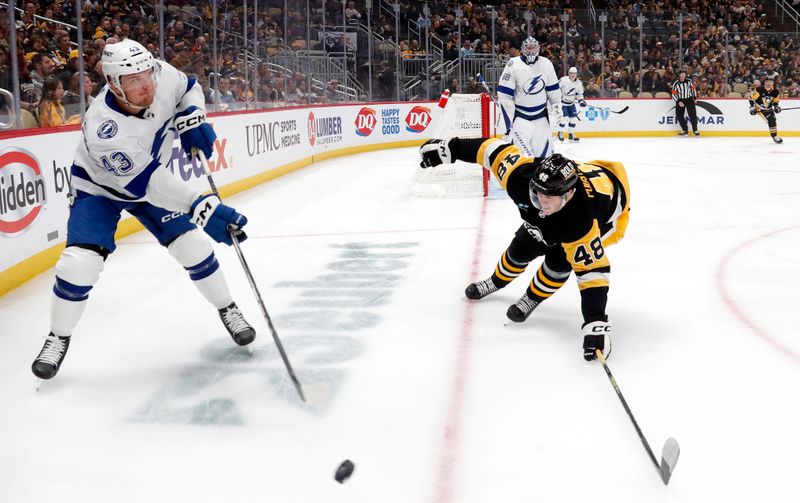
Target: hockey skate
x,y
683,133
574,138
46,365
560,136
241,331
777,139
520,311
479,290
697,133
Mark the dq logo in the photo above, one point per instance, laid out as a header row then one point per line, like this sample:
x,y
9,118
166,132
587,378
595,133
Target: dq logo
x,y
365,121
418,119
22,191
312,129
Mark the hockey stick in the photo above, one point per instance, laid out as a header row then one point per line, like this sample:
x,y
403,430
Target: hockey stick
x,y
671,451
620,111
313,394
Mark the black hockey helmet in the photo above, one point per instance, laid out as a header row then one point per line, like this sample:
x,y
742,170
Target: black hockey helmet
x,y
554,176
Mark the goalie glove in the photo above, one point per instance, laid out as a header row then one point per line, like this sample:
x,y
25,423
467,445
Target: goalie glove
x,y
435,152
596,335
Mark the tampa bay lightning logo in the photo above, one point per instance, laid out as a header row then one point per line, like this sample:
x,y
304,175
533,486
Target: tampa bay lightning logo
x,y
534,86
107,129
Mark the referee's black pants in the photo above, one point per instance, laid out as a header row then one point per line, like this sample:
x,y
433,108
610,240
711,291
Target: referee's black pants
x,y
690,109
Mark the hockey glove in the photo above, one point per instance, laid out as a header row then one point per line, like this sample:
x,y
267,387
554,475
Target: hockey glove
x,y
596,335
776,109
218,220
558,114
752,110
195,132
582,103
435,152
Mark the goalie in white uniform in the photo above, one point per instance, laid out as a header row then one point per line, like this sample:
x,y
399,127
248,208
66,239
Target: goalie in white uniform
x,y
120,164
526,86
571,92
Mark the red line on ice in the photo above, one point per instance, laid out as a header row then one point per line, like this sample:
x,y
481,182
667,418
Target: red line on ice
x,y
448,456
739,312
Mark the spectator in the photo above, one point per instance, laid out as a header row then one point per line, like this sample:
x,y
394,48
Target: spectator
x,y
72,98
472,87
32,89
331,93
386,81
51,111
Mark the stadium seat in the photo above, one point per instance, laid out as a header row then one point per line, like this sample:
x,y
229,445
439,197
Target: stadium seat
x,y
662,94
645,94
625,94
734,94
740,88
27,119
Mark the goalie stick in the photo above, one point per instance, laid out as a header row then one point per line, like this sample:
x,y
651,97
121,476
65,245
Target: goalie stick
x,y
671,450
313,394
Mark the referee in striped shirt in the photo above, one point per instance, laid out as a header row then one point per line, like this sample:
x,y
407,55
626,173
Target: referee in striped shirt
x,y
684,95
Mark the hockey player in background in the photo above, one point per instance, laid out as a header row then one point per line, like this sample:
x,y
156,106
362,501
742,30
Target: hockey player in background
x,y
126,140
571,92
571,212
764,103
527,85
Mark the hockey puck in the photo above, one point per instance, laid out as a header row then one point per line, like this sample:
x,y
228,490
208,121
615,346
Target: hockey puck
x,y
344,471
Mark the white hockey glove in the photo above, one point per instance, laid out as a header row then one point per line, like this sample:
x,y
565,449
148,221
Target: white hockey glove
x,y
596,335
558,114
434,153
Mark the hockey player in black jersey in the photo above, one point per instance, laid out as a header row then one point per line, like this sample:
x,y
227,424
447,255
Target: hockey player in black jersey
x,y
764,102
571,212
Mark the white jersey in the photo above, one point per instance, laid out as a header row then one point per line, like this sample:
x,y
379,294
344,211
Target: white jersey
x,y
123,156
571,91
524,90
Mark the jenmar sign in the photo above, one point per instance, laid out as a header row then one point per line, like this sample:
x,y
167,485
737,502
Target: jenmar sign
x,y
22,191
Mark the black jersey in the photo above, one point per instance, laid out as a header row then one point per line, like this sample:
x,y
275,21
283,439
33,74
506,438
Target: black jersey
x,y
586,223
765,99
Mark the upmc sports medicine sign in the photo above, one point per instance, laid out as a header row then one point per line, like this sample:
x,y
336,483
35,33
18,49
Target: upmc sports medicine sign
x,y
22,191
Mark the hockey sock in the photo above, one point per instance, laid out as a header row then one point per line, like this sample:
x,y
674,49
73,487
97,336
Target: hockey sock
x,y
193,251
546,282
507,270
77,271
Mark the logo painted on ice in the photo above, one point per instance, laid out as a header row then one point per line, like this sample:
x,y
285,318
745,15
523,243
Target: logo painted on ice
x,y
22,191
418,119
534,86
107,129
365,121
312,129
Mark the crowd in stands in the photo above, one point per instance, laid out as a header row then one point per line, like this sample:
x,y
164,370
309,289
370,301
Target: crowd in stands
x,y
723,43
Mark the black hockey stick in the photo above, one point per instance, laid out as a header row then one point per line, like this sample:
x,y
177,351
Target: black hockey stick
x,y
313,394
671,451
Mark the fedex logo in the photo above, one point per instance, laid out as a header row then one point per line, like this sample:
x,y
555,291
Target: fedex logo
x,y
188,169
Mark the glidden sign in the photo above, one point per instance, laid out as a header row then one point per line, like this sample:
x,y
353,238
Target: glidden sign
x,y
22,191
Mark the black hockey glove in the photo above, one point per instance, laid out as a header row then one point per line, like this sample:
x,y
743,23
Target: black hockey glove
x,y
435,152
776,109
582,103
596,335
752,110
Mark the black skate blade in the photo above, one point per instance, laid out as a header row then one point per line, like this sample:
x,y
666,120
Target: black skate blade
x,y
669,458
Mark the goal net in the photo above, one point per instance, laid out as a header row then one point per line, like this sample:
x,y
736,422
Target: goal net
x,y
465,116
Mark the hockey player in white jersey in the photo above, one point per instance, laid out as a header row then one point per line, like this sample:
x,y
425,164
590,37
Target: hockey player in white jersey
x,y
571,93
527,85
126,140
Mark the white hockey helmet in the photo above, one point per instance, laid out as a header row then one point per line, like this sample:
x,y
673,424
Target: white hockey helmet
x,y
573,70
125,58
530,49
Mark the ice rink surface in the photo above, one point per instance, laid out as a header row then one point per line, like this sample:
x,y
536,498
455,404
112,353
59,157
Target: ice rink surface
x,y
435,398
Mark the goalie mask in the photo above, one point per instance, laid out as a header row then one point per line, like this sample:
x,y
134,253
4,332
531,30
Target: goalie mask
x,y
530,50
555,176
